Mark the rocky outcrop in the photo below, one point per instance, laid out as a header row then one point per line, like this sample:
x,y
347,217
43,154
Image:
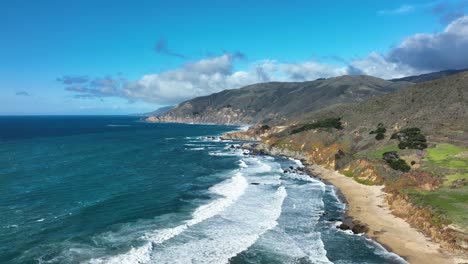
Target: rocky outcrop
x,y
367,172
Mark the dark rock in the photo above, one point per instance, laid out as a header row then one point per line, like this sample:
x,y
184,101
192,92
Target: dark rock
x,y
360,228
291,167
300,168
343,227
232,146
285,171
334,220
339,154
341,159
255,183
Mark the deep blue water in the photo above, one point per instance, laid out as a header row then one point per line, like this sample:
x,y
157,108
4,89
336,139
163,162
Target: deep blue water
x,y
115,190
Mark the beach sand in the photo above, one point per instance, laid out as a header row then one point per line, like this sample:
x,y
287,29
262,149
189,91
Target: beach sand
x,y
367,204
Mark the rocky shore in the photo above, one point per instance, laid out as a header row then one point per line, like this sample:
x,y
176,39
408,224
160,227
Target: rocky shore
x,y
368,209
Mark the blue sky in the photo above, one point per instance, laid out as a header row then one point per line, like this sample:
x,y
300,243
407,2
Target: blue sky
x,y
117,57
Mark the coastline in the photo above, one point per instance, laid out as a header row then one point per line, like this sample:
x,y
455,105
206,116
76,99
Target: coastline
x,y
366,204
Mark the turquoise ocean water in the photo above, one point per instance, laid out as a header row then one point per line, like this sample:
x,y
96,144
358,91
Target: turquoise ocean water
x,y
115,190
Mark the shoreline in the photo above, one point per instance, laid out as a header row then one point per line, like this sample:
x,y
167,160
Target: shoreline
x,y
366,204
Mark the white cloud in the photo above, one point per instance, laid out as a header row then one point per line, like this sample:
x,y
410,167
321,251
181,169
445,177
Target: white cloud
x,y
444,50
310,70
417,54
212,75
375,64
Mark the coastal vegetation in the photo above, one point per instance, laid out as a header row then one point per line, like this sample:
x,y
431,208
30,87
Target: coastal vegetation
x,y
410,138
394,161
450,200
425,178
324,123
380,131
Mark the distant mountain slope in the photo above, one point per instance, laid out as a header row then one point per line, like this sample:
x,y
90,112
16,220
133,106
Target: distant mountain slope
x,y
428,76
158,112
439,105
277,101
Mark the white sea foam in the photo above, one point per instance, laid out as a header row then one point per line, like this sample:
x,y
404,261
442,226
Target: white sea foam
x,y
229,190
243,128
298,162
223,153
202,148
199,145
242,164
118,125
136,255
235,230
296,230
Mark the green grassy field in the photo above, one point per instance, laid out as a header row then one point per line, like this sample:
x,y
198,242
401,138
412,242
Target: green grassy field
x,y
444,155
448,202
378,153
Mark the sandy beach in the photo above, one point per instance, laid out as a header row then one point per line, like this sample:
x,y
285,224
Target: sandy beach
x,y
367,204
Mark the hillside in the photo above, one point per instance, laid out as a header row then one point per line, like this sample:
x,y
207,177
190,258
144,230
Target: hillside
x,y
276,102
428,76
420,155
437,106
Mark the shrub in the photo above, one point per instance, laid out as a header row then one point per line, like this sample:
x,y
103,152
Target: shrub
x,y
394,161
379,136
324,123
400,165
265,127
410,138
380,131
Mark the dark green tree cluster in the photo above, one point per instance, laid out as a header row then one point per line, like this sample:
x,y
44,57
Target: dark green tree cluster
x,y
394,161
380,131
400,165
410,138
264,127
323,123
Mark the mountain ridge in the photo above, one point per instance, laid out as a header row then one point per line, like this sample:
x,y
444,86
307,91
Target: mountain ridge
x,y
277,101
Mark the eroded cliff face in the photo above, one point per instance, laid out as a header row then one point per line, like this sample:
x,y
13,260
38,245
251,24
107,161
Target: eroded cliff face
x,y
448,236
325,150
363,171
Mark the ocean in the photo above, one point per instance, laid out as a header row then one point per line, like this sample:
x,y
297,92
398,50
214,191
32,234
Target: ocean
x,y
111,189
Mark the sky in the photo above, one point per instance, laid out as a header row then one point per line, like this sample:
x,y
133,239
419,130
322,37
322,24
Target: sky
x,y
120,57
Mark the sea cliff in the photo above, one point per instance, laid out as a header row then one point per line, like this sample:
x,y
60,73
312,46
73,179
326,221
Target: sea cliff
x,y
411,231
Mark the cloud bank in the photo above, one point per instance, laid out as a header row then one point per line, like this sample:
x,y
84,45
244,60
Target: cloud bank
x,y
445,50
416,54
